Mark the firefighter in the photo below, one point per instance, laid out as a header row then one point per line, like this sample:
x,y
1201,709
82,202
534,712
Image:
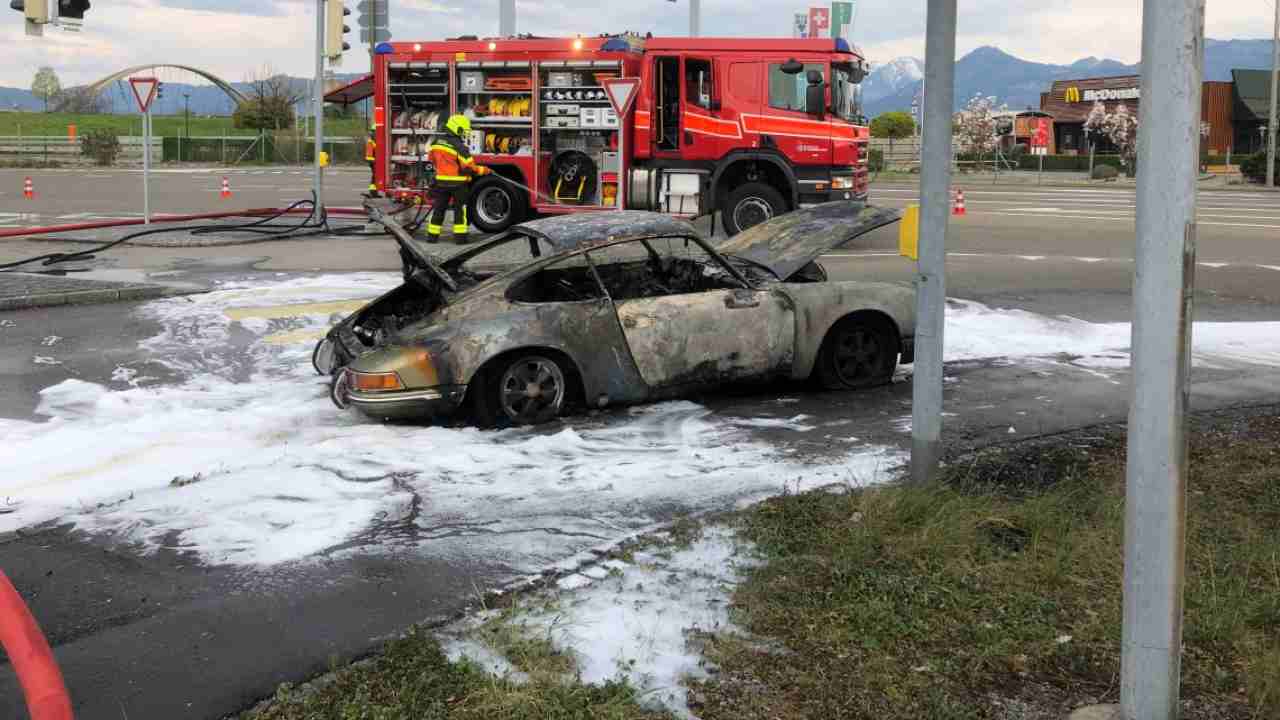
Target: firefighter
x,y
454,169
371,157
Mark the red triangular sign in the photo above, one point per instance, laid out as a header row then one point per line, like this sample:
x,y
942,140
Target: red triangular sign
x,y
144,91
621,92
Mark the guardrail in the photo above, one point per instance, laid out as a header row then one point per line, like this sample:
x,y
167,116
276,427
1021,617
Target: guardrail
x,y
282,148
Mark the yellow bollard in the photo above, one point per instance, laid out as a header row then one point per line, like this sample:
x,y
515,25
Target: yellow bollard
x,y
324,159
909,233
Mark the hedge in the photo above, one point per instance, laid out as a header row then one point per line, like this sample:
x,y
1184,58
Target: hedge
x,y
1078,163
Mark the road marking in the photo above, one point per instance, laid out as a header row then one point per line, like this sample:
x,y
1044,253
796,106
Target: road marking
x,y
1271,267
1213,265
274,312
1127,218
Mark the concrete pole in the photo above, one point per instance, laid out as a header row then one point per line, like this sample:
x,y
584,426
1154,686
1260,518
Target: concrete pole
x,y
1275,81
317,99
146,166
695,18
935,202
1155,489
507,18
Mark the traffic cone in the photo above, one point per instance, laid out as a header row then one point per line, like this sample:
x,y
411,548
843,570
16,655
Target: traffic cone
x,y
226,189
958,208
28,190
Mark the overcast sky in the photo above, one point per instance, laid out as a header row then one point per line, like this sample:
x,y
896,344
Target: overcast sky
x,y
232,38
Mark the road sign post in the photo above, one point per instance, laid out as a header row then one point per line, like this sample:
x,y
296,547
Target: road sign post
x,y
144,92
622,93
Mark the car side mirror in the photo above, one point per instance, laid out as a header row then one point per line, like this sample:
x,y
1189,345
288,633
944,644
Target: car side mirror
x,y
792,67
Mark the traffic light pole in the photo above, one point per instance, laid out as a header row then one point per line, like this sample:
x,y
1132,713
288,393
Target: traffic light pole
x,y
317,100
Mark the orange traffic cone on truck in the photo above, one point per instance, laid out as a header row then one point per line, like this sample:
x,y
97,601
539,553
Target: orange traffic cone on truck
x,y
226,189
958,208
28,190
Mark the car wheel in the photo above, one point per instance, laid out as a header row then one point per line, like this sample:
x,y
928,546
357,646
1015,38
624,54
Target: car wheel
x,y
529,390
857,353
749,205
496,205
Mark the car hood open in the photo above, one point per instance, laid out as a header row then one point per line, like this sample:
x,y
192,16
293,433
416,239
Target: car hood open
x,y
789,242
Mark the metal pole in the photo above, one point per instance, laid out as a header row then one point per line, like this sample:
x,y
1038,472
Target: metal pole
x,y
1155,488
507,18
317,99
1275,81
695,18
622,165
146,166
931,289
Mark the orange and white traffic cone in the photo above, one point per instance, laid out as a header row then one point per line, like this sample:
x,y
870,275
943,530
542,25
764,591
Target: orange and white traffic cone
x,y
28,190
958,208
226,189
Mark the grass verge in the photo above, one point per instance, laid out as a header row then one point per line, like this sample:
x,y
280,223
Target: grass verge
x,y
412,678
998,593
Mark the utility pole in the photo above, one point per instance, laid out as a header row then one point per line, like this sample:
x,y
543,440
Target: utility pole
x,y
317,99
507,18
935,201
1275,81
695,18
1163,286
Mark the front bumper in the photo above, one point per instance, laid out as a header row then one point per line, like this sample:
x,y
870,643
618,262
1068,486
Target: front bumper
x,y
418,404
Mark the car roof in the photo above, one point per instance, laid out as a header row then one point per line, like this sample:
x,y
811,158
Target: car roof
x,y
578,230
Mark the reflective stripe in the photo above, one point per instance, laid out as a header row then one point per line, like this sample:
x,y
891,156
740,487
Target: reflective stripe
x,y
443,148
460,229
434,229
462,178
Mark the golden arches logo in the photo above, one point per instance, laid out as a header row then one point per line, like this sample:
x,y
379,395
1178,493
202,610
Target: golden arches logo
x,y
1072,95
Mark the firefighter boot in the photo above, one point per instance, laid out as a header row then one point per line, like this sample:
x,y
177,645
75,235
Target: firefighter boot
x,y
460,224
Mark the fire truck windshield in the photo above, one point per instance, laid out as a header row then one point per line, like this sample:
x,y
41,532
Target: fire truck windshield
x,y
845,93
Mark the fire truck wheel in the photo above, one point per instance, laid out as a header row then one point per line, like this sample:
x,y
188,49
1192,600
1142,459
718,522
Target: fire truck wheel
x,y
496,205
751,204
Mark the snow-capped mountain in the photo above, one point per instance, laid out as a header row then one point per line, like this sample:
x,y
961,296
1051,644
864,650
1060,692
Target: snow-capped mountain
x,y
890,78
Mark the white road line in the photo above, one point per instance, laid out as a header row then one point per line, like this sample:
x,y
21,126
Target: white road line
x,y
1270,267
1128,218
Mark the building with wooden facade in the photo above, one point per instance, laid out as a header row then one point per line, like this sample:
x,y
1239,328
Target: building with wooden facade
x,y
1071,101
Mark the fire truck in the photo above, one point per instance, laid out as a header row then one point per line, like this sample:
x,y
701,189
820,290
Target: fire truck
x,y
748,127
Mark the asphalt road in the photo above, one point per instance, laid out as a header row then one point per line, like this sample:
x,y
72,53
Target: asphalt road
x,y
157,633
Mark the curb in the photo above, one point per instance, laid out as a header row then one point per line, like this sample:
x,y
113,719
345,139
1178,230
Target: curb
x,y
92,297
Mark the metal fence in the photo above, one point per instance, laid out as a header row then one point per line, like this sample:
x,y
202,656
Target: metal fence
x,y
281,148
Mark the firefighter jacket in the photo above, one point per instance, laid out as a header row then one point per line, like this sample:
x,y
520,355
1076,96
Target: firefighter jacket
x,y
370,148
452,160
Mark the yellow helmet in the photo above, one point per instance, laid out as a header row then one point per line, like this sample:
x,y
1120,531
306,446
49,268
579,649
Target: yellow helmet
x,y
458,124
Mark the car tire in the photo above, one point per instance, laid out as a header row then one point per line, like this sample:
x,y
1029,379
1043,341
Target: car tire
x,y
496,205
530,389
749,205
857,353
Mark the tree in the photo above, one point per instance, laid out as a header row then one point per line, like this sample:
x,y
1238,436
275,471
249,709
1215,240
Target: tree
x,y
272,97
1121,128
893,125
80,100
976,125
46,85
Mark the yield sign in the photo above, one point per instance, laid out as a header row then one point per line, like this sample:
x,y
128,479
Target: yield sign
x,y
621,92
144,91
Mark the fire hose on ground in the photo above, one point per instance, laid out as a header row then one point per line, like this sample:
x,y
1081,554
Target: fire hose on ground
x,y
31,658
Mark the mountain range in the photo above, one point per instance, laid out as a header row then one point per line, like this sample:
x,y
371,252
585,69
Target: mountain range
x,y
1018,83
890,86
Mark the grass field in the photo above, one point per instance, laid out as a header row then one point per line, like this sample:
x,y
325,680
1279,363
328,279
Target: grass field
x,y
55,124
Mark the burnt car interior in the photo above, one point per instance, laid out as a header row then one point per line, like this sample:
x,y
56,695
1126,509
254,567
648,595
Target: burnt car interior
x,y
644,268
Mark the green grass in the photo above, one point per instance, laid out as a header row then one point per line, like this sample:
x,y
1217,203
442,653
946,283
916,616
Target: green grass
x,y
950,602
413,680
55,124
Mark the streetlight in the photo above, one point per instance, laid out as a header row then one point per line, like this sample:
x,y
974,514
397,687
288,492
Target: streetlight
x,y
186,96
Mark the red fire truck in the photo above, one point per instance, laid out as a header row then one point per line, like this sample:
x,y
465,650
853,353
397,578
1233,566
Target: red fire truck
x,y
748,127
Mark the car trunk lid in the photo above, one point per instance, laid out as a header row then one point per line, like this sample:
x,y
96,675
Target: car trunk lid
x,y
791,241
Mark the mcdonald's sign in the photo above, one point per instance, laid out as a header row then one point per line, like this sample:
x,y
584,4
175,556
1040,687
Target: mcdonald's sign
x,y
1072,94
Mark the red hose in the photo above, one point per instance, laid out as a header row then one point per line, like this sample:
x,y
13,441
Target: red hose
x,y
251,212
31,657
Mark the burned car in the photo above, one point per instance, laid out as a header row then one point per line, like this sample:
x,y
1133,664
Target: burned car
x,y
618,307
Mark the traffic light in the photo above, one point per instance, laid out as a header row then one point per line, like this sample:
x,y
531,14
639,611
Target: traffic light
x,y
159,91
335,29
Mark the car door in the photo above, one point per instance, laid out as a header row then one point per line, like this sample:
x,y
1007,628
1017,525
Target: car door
x,y
682,339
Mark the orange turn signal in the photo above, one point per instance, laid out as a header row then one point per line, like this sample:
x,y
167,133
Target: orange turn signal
x,y
376,381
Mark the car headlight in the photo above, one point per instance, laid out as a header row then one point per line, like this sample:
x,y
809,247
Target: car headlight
x,y
842,182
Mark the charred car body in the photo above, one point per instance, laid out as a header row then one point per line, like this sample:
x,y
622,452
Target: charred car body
x,y
618,307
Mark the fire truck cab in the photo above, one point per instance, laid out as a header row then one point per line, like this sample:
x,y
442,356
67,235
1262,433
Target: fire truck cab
x,y
748,127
